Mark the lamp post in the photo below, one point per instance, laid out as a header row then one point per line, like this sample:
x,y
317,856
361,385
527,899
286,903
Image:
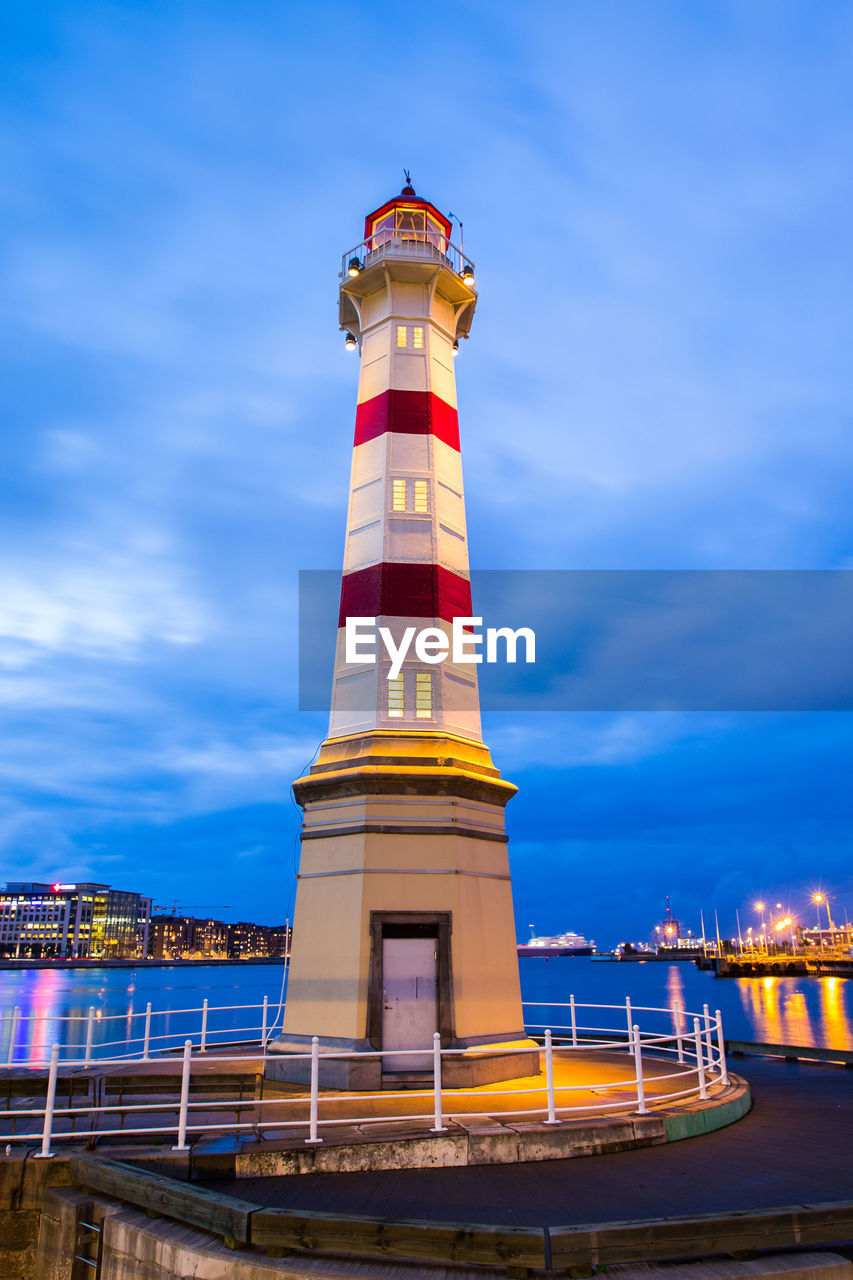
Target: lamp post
x,y
817,899
759,906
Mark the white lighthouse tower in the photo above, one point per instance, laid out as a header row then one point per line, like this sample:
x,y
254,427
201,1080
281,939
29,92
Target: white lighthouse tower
x,y
403,923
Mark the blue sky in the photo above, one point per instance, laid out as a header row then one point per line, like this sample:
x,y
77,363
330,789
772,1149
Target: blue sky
x,y
657,200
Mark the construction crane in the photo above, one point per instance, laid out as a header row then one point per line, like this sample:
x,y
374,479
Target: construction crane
x,y
210,906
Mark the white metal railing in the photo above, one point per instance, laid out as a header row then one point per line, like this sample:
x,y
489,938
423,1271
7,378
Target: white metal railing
x,y
695,1046
393,242
89,1036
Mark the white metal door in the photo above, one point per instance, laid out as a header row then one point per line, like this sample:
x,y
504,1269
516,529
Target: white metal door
x,y
410,1004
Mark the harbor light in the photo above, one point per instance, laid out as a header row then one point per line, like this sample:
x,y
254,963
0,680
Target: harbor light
x,y
354,267
467,274
350,342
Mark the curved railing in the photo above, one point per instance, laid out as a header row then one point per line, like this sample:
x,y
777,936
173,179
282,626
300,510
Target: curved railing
x,y
694,1047
394,242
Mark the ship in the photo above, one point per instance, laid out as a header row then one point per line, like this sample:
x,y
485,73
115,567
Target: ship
x,y
560,944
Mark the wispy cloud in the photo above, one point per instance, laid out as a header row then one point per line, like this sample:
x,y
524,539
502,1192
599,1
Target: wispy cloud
x,y
658,376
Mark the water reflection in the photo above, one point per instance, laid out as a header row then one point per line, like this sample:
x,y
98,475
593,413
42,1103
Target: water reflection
x,y
675,996
799,1011
793,1010
54,1006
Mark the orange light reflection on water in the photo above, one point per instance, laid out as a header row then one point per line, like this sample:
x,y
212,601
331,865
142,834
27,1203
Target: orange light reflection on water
x,y
799,1011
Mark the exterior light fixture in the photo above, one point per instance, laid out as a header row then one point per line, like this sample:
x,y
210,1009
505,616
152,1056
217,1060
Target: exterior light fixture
x,y
350,342
456,349
467,274
354,267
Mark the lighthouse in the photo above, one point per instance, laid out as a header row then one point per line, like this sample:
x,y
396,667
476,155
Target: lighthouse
x,y
403,923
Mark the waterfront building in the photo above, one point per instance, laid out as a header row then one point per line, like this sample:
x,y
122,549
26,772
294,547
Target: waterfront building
x,y
403,923
246,939
170,937
187,938
72,921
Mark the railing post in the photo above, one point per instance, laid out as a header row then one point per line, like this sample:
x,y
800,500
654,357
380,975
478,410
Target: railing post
x,y
203,1042
574,1017
438,1125
676,1015
16,1013
90,1031
638,1064
46,1153
147,1037
700,1059
549,1078
630,1016
721,1046
315,1089
185,1097
264,1025
709,1045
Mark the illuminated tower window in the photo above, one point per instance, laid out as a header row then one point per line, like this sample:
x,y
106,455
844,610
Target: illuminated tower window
x,y
423,695
395,698
401,335
398,495
421,495
418,338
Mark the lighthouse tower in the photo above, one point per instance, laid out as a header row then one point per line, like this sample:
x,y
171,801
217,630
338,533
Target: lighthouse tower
x,y
403,923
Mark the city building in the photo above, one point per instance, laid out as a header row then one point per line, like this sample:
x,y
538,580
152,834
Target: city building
x,y
72,921
404,923
170,937
187,938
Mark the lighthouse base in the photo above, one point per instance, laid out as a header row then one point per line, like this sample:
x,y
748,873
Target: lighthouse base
x,y
462,1067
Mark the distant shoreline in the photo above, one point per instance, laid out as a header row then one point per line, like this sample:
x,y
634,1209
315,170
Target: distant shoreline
x,y
147,963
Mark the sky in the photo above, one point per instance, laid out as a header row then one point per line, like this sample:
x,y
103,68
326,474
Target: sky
x,y
657,200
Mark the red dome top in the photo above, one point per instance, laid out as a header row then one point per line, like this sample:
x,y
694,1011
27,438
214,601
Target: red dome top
x,y
407,211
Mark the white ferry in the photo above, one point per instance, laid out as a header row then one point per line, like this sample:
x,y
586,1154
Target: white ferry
x,y
561,944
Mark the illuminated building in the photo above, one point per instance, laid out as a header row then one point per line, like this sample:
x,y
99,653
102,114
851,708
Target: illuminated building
x,y
403,923
188,938
73,921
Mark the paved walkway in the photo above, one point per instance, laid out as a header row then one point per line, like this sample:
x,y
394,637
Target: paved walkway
x,y
793,1148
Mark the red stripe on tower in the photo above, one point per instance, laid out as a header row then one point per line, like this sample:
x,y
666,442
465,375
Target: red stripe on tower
x,y
392,590
412,413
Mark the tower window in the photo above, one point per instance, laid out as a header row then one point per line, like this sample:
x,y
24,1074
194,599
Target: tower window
x,y
423,695
398,495
418,338
402,339
395,698
421,496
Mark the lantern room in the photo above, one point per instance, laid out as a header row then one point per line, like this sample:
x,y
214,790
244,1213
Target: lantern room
x,y
407,217
406,241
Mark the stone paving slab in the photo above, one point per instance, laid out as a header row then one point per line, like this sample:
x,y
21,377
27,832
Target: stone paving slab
x,y
792,1148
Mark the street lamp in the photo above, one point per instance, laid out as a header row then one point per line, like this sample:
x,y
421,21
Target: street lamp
x,y
759,906
817,899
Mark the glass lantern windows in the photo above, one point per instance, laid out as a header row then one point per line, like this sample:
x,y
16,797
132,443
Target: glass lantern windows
x,y
408,222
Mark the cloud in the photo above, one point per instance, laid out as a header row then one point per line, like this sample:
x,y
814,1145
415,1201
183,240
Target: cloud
x,y
658,376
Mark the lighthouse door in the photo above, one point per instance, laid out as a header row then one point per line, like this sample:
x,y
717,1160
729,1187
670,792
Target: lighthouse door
x,y
410,1001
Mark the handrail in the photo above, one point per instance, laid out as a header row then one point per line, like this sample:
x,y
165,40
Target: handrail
x,y
700,1053
30,1036
396,242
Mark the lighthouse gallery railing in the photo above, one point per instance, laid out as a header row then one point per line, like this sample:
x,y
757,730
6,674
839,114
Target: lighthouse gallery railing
x,y
430,246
